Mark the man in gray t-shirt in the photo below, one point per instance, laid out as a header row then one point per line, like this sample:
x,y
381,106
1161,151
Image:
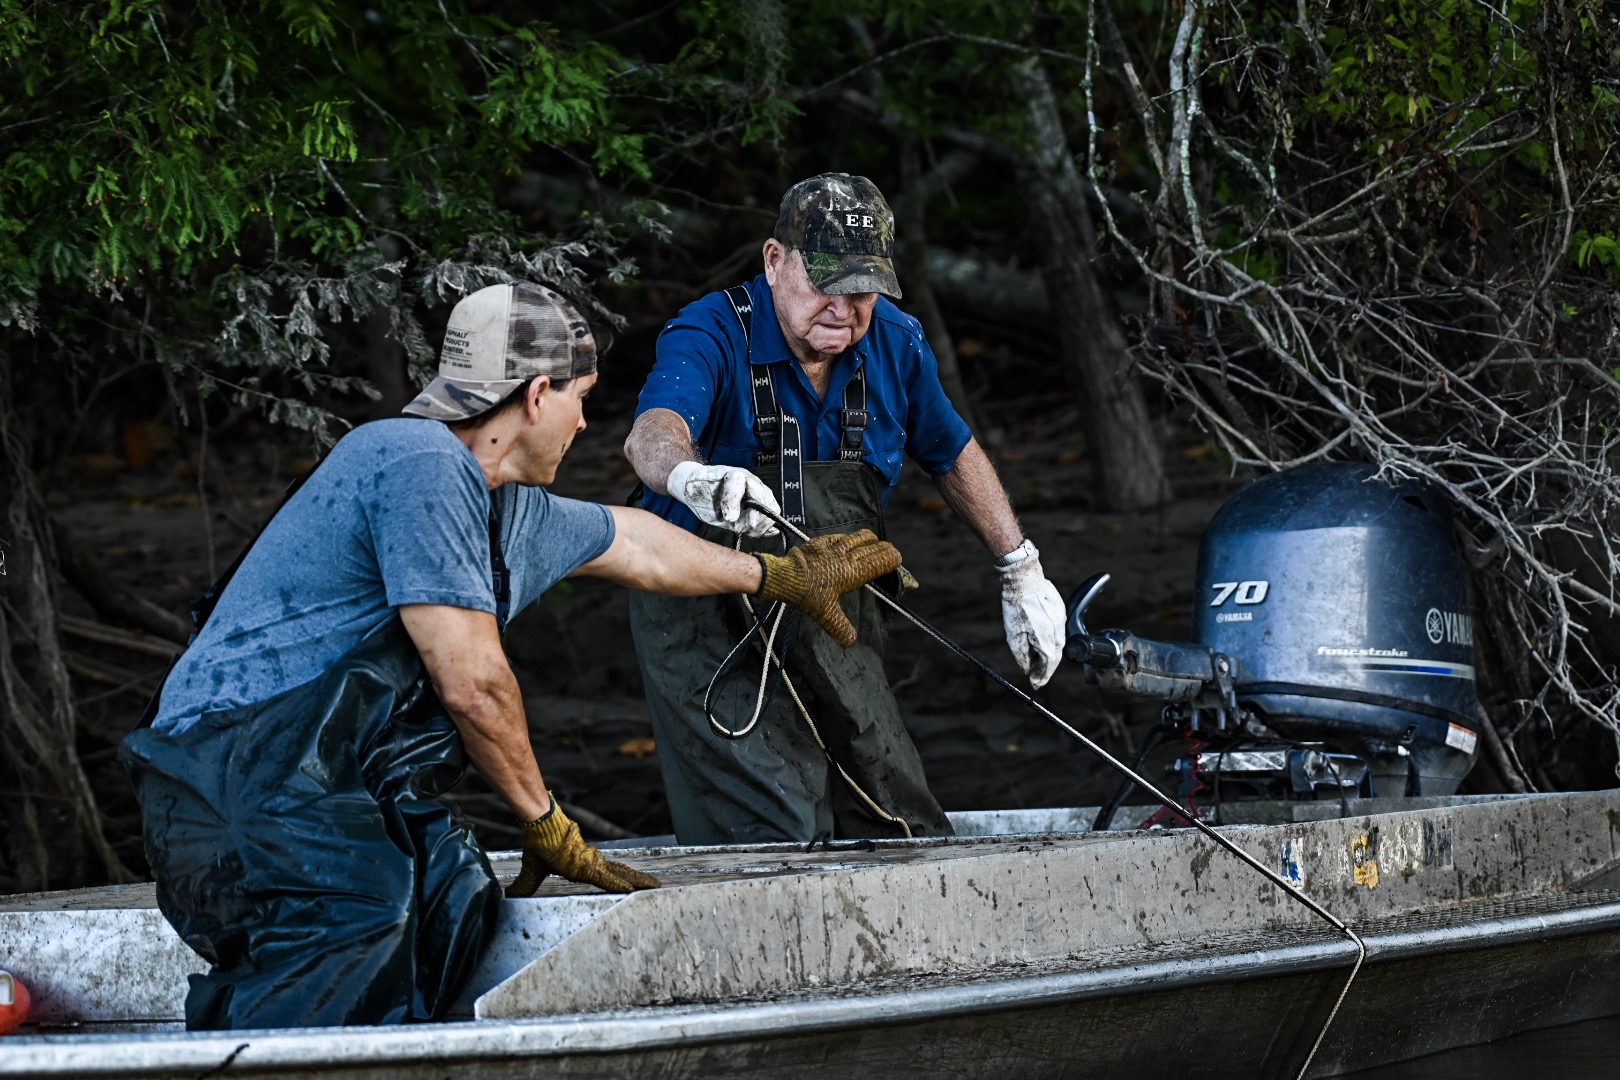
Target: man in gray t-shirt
x,y
353,662
396,515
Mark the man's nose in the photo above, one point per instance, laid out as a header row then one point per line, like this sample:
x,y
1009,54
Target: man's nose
x,y
842,307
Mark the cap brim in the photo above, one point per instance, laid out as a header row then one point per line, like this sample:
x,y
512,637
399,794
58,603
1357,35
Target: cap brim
x,y
458,399
855,274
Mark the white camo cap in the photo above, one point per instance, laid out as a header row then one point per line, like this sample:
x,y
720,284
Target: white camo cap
x,y
498,339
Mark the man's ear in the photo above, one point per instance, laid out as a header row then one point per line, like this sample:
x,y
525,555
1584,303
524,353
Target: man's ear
x,y
775,254
534,398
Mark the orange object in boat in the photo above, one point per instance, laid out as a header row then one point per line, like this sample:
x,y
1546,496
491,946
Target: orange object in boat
x,y
14,1002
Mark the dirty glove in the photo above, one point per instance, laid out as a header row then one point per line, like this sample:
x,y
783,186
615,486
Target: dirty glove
x,y
1032,613
812,577
715,493
552,845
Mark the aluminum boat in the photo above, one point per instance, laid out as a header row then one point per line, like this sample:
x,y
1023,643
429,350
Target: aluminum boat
x,y
1024,946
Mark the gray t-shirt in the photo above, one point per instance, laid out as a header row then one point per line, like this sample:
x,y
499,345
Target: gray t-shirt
x,y
397,514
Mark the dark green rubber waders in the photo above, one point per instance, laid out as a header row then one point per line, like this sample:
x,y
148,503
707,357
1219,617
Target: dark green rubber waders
x,y
776,784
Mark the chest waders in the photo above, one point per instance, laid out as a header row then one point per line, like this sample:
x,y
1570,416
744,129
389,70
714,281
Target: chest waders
x,y
832,744
299,848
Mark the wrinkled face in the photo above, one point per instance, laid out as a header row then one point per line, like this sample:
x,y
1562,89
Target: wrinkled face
x,y
818,325
555,416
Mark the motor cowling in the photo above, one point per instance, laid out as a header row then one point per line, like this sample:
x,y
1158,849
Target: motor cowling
x,y
1344,599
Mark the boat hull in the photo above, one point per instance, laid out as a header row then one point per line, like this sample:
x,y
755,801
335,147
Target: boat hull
x,y
1042,957
1242,1014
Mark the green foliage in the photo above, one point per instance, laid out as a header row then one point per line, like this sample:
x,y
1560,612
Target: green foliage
x,y
563,97
1448,109
1597,250
186,172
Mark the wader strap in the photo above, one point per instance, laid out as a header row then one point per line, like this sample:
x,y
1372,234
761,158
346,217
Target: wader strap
x,y
792,494
780,438
777,431
768,419
203,606
743,305
854,418
501,577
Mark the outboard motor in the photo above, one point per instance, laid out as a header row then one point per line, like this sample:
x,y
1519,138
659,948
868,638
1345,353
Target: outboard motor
x,y
1345,601
1334,651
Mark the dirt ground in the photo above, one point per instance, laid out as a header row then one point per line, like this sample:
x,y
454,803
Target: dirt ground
x,y
141,514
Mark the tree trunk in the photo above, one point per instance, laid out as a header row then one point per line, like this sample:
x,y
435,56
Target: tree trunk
x,y
50,829
385,366
911,221
1127,464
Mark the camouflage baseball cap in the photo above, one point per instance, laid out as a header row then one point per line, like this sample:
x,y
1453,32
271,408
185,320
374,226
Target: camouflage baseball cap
x,y
845,231
498,339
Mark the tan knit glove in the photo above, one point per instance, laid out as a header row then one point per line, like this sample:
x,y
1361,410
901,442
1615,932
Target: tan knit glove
x,y
552,845
813,576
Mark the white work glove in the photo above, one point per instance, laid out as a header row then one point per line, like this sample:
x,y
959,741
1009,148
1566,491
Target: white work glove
x,y
1032,612
715,494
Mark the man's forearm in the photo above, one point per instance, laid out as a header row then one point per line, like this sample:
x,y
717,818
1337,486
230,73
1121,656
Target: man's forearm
x,y
461,650
657,443
651,555
495,732
974,491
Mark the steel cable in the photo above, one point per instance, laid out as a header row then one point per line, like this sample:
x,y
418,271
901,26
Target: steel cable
x,y
1130,774
774,617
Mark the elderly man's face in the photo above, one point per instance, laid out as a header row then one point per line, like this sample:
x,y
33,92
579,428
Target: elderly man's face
x,y
818,325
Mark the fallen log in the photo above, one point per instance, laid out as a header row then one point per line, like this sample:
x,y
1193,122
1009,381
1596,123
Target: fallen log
x,y
987,288
121,639
137,684
113,601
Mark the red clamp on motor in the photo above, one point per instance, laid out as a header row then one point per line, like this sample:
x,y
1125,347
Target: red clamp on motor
x,y
14,1002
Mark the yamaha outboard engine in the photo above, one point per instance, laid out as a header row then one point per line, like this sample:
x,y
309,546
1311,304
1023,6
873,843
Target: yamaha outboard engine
x,y
1345,599
1334,651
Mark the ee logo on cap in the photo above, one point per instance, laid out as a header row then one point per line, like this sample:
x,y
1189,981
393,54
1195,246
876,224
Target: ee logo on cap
x,y
858,221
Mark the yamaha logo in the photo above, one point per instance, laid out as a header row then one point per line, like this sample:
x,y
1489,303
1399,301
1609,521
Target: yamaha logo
x,y
1449,627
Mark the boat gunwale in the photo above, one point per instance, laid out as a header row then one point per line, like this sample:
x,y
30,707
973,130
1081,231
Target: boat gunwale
x,y
657,1027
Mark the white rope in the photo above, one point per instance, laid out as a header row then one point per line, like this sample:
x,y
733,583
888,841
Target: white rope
x,y
770,657
793,692
764,676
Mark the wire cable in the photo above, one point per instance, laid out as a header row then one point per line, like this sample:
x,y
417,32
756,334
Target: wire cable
x,y
774,616
1119,766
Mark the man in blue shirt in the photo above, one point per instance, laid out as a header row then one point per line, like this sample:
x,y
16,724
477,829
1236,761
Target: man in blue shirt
x,y
800,391
353,662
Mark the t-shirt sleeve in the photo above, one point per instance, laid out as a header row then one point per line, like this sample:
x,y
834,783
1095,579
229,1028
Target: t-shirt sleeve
x,y
686,374
545,537
429,518
935,431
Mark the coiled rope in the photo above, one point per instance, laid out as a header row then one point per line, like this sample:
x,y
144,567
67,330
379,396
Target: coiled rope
x,y
1119,766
